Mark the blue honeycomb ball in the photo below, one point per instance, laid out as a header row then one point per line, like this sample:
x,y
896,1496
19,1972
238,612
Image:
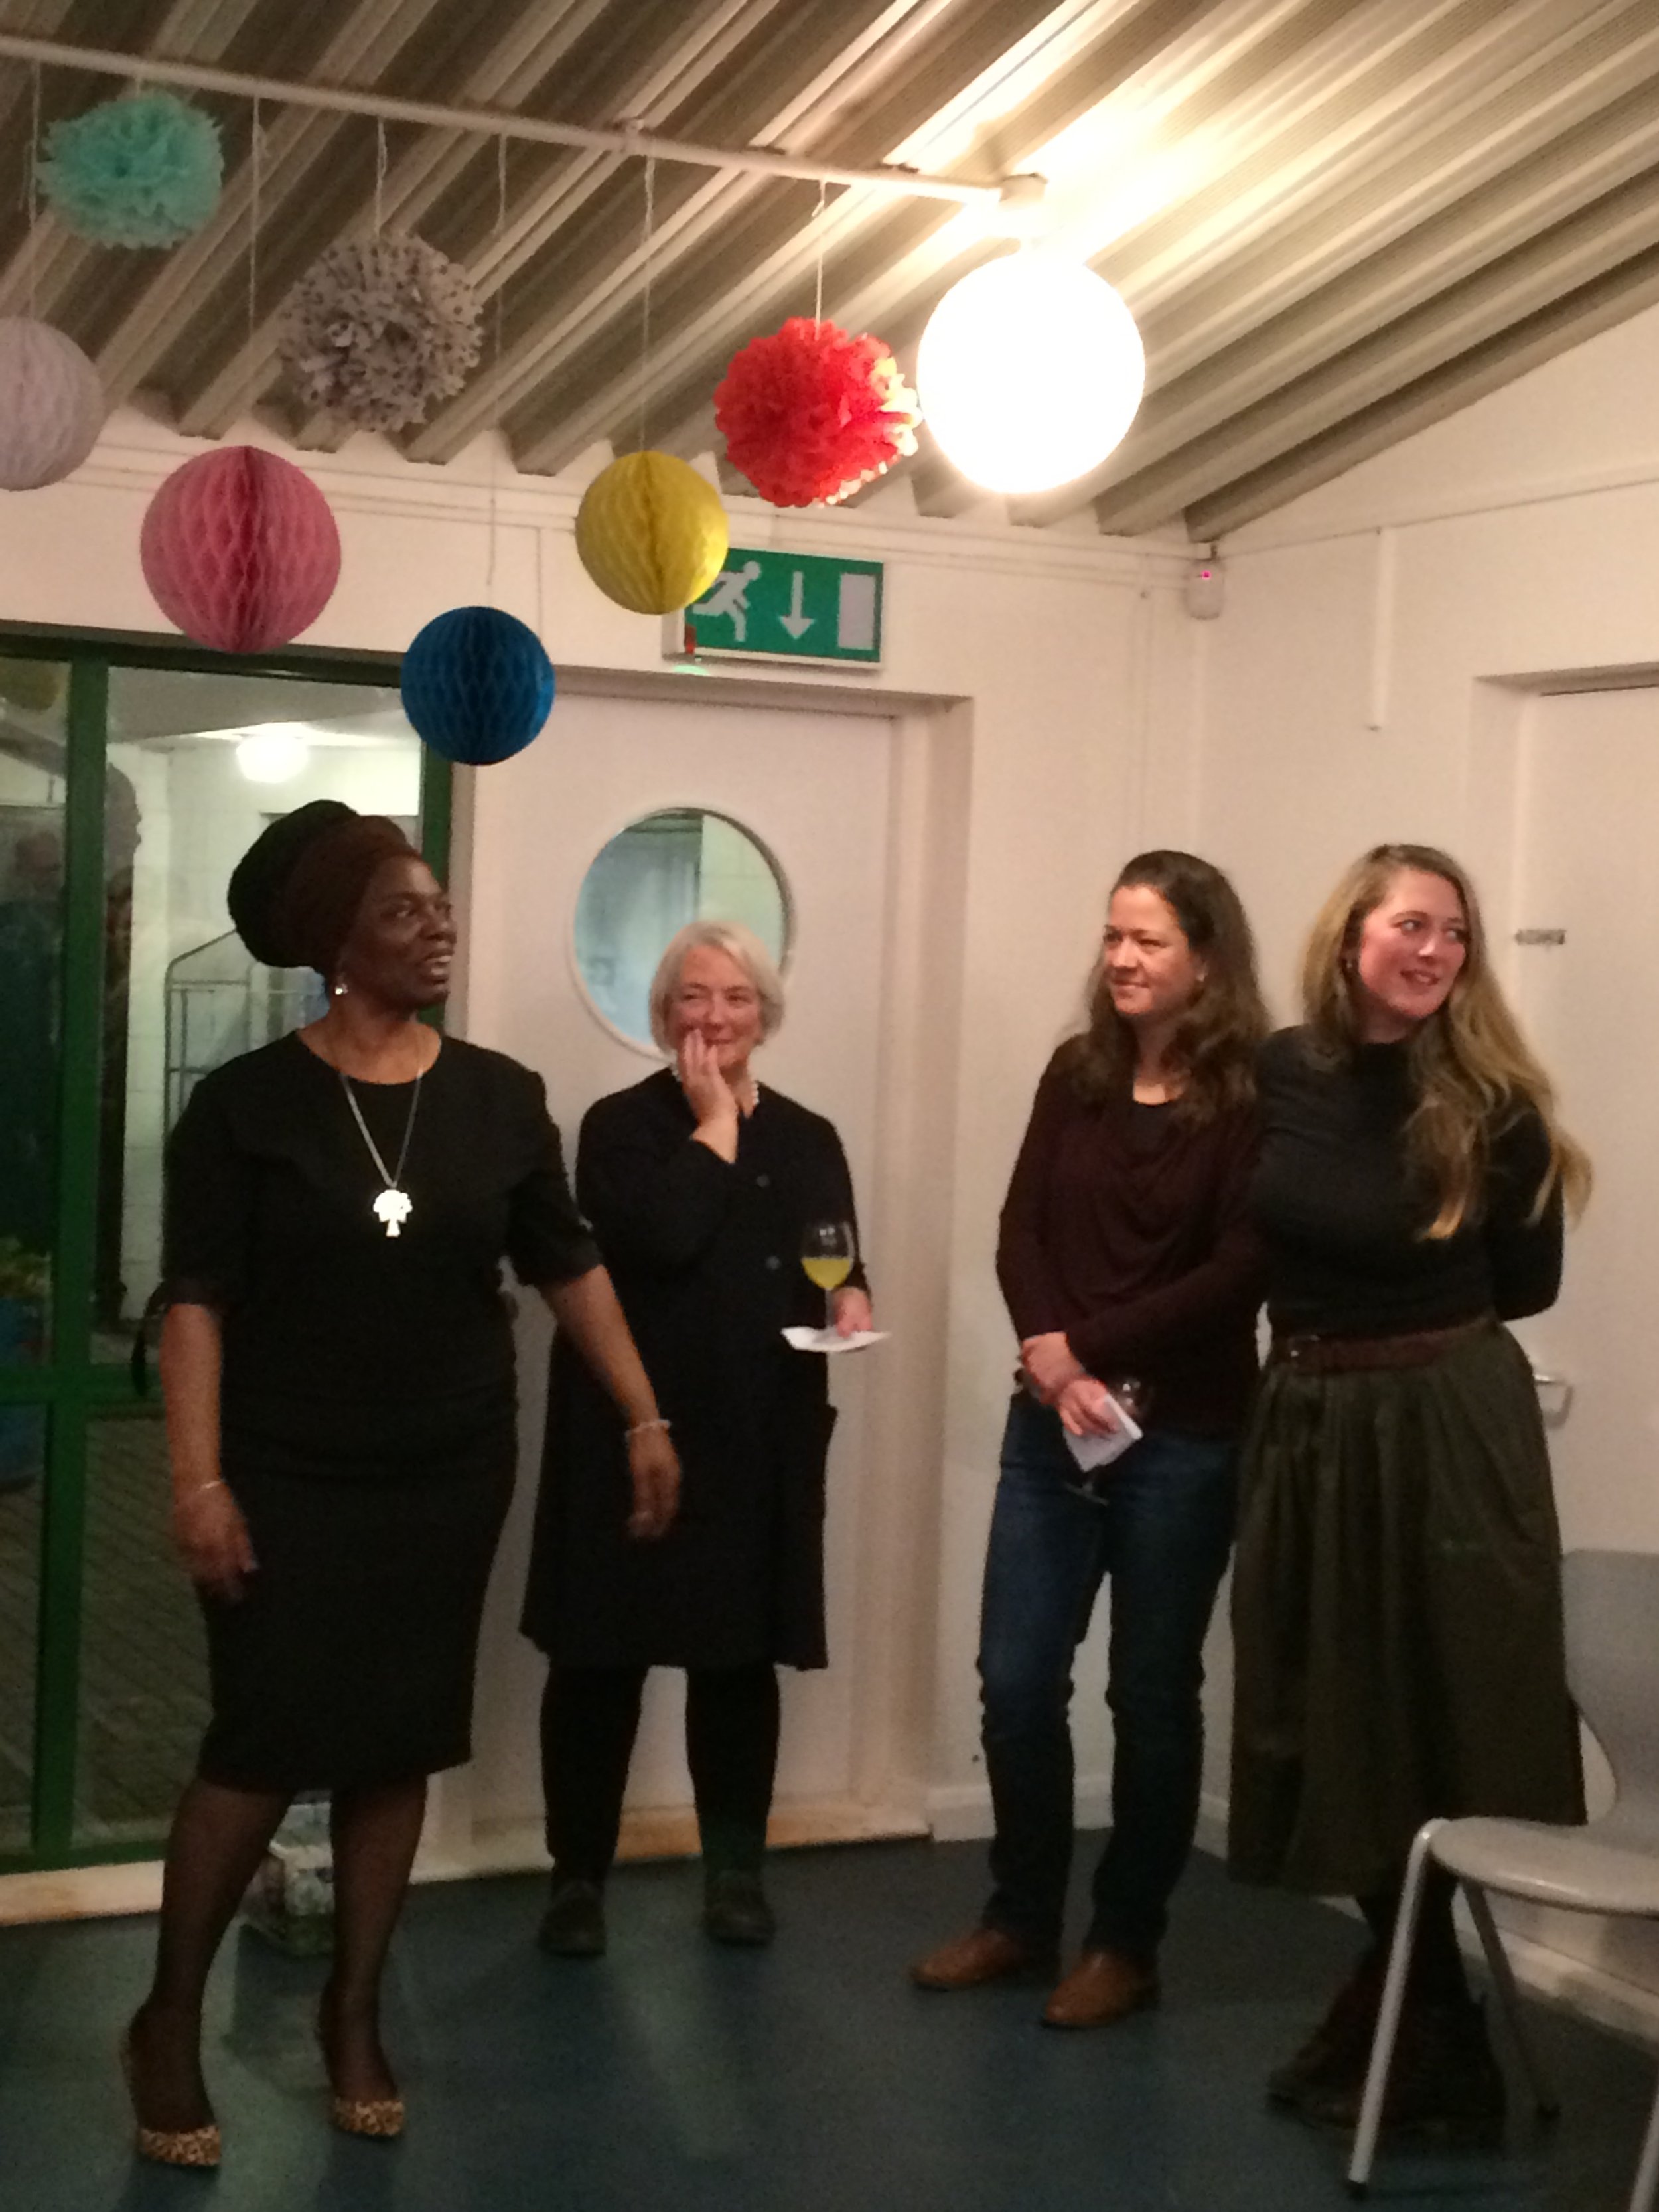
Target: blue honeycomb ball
x,y
141,171
477,685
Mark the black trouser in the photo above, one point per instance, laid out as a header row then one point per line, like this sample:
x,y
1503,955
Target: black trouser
x,y
590,1716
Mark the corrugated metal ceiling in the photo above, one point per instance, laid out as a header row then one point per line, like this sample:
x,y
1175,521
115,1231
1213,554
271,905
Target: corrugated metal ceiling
x,y
1336,221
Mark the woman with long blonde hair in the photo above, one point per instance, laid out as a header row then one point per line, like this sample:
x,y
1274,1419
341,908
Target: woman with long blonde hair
x,y
1396,1597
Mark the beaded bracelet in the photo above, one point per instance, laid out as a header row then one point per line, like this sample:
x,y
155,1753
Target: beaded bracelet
x,y
644,1428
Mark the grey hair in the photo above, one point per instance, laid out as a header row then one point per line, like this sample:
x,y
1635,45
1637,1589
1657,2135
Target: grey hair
x,y
738,944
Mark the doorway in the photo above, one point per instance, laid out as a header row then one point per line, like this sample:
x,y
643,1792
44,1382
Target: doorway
x,y
1587,914
827,831
132,776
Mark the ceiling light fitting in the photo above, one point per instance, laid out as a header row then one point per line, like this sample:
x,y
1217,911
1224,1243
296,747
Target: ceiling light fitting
x,y
1029,371
275,753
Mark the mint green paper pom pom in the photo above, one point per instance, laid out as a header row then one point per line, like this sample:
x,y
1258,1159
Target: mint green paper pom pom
x,y
143,171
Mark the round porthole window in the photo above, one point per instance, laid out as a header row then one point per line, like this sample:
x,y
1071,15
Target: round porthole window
x,y
682,865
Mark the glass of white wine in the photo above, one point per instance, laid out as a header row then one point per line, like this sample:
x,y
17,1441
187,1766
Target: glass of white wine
x,y
827,1253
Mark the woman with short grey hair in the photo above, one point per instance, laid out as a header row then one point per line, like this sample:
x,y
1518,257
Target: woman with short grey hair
x,y
700,1187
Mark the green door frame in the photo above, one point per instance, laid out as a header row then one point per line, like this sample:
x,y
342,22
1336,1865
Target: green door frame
x,y
71,1385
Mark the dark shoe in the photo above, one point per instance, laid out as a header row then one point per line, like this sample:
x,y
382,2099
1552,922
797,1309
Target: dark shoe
x,y
1337,2053
1103,1986
735,1909
1444,2083
572,1926
984,1954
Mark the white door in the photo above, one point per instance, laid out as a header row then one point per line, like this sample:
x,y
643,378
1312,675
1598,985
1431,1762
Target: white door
x,y
813,790
1588,865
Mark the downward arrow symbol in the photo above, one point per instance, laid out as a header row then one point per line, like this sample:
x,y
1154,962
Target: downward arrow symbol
x,y
795,622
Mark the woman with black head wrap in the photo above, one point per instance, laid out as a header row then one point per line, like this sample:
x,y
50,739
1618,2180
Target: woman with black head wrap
x,y
338,1369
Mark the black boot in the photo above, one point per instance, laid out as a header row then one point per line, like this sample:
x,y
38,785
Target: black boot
x,y
1335,2056
734,1907
1444,2083
572,1926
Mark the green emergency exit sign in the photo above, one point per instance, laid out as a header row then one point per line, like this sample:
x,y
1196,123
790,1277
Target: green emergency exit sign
x,y
766,606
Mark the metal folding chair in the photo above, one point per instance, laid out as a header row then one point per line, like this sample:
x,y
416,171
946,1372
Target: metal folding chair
x,y
1611,1866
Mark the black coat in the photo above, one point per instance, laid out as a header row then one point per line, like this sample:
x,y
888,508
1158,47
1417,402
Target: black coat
x,y
706,1258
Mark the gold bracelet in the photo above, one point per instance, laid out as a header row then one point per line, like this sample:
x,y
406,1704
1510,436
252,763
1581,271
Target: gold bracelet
x,y
644,1428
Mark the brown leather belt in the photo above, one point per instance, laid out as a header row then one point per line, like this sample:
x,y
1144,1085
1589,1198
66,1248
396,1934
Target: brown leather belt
x,y
1349,1355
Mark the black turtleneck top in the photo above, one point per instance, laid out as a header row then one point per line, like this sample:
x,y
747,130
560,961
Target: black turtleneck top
x,y
1343,1213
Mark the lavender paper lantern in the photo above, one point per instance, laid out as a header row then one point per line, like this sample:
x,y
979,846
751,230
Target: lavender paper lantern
x,y
477,685
51,404
241,549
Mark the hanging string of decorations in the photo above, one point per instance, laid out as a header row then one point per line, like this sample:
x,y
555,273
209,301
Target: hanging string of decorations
x,y
239,547
1028,372
51,404
650,532
478,682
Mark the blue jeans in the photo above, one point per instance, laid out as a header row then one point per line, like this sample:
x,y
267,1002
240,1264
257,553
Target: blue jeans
x,y
1163,1534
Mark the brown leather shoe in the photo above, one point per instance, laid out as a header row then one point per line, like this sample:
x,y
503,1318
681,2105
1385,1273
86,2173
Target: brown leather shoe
x,y
1103,1986
984,1954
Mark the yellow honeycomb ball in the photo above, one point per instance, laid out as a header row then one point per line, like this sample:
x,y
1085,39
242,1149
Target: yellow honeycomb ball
x,y
652,533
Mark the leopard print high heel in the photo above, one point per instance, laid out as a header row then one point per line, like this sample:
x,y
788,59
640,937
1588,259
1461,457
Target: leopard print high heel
x,y
199,2147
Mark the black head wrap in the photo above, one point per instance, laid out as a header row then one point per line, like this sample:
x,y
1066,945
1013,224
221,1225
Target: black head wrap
x,y
295,894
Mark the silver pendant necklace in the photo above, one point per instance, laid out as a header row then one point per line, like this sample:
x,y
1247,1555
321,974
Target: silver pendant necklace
x,y
393,1205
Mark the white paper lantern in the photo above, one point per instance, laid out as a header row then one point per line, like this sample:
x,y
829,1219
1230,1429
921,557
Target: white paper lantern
x,y
1030,372
51,404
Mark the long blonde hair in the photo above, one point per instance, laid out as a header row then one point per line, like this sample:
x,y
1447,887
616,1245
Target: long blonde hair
x,y
1470,1065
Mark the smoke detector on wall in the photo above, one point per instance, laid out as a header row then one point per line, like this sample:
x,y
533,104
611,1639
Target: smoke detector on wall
x,y
1205,591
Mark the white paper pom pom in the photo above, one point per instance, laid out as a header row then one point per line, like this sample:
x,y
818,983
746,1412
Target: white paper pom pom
x,y
379,328
51,404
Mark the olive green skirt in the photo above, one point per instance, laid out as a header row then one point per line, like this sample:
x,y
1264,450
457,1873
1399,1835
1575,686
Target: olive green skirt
x,y
1396,1617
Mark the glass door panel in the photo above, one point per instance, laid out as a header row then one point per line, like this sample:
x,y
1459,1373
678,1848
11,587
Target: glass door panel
x,y
198,763
132,776
22,1484
144,1669
33,781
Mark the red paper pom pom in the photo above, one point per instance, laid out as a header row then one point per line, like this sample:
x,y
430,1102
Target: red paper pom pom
x,y
811,413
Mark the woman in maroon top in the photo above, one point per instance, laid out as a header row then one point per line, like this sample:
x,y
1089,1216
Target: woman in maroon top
x,y
1126,1252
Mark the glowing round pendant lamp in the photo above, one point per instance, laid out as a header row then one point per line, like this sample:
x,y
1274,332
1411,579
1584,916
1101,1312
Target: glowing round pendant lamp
x,y
1030,372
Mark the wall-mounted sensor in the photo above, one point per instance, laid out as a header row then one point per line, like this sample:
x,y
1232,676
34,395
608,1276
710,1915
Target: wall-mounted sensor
x,y
1205,591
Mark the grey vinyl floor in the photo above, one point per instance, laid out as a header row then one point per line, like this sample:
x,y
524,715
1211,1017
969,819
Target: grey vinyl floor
x,y
671,2077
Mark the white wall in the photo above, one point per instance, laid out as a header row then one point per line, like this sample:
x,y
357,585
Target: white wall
x,y
1371,674
1054,675
1360,685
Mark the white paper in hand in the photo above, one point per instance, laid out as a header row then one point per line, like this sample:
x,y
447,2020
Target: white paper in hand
x,y
1091,1452
831,1340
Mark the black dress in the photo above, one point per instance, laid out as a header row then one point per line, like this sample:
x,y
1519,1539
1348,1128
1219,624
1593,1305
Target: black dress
x,y
1397,1630
367,1402
706,1258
